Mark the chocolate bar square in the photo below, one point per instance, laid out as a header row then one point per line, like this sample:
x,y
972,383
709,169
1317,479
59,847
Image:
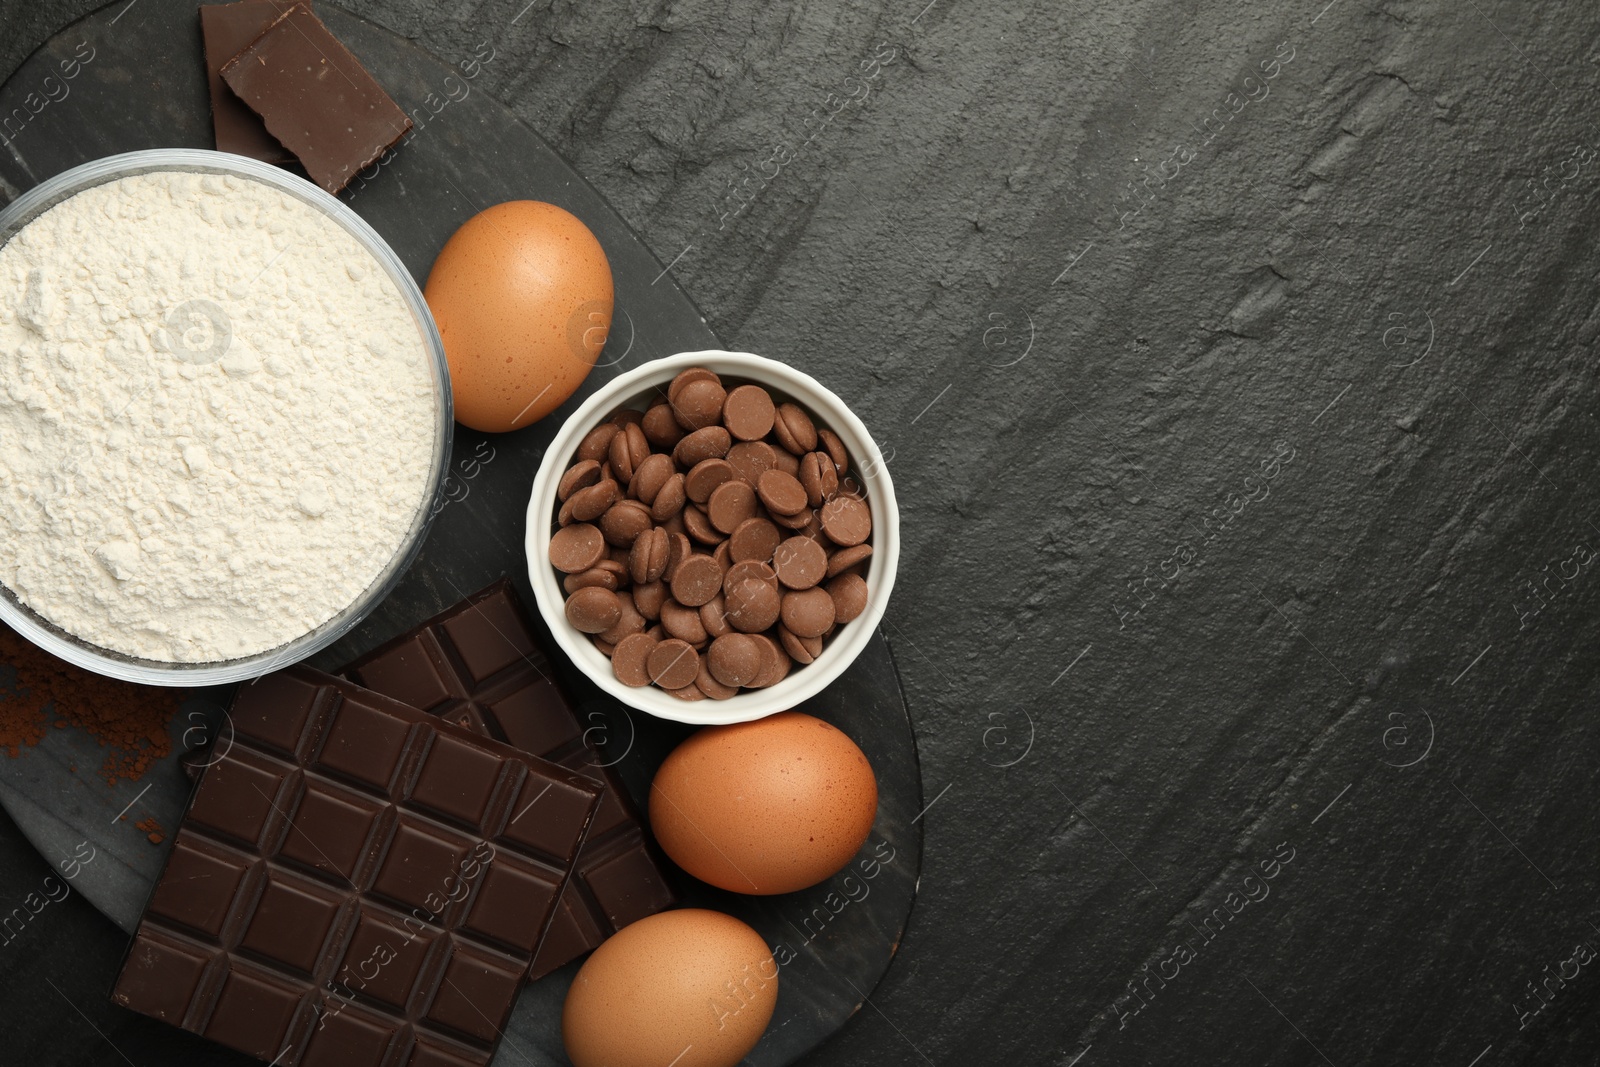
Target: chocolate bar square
x,y
229,29
478,665
316,98
355,881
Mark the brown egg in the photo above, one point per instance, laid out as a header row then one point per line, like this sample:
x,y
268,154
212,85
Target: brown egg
x,y
690,988
764,807
522,295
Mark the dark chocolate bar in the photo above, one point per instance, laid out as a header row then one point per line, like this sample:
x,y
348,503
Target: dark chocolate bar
x,y
356,883
478,665
229,29
316,98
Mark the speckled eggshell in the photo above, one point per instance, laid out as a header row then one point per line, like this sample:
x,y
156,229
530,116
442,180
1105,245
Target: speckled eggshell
x,y
522,296
690,988
764,807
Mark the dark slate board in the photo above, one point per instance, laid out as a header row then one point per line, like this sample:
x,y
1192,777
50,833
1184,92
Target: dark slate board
x,y
138,83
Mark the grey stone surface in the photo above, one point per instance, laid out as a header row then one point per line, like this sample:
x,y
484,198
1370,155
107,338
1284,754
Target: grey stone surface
x,y
1083,294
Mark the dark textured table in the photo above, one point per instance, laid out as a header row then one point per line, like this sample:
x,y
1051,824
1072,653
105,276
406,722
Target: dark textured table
x,y
1235,361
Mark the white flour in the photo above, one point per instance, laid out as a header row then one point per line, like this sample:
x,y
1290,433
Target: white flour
x,y
216,417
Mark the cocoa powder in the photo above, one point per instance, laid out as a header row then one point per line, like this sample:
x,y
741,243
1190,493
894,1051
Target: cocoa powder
x,y
130,720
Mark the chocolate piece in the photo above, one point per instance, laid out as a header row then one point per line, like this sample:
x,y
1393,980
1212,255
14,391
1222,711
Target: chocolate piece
x,y
582,475
628,659
698,404
577,548
849,593
781,493
660,428
477,664
673,664
316,98
693,374
748,413
801,563
229,29
594,610
735,659
704,478
794,430
696,581
846,520
352,875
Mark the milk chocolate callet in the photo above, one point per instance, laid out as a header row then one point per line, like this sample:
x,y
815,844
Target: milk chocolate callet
x,y
356,883
316,98
229,29
477,664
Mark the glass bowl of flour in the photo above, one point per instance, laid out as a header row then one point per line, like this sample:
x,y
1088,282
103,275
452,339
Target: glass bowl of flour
x,y
225,417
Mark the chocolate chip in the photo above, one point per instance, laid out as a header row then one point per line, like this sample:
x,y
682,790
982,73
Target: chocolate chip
x,y
594,610
628,659
712,688
774,663
714,616
576,548
698,404
619,457
596,443
629,621
591,503
846,558
819,477
696,581
649,597
800,563
626,416
648,560
660,428
703,479
581,475
735,659
670,500
628,450
650,476
781,493
785,461
748,412
698,523
849,593
798,521
673,664
606,573
624,521
829,442
720,554
693,374
794,430
682,622
802,650
846,520
753,605
753,539
807,612
731,503
712,442
750,571
678,550
688,692
751,459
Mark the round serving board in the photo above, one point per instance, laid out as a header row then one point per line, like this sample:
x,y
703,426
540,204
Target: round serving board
x,y
138,82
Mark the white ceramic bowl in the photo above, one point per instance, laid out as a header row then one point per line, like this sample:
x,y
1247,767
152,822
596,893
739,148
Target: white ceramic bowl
x,y
635,389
